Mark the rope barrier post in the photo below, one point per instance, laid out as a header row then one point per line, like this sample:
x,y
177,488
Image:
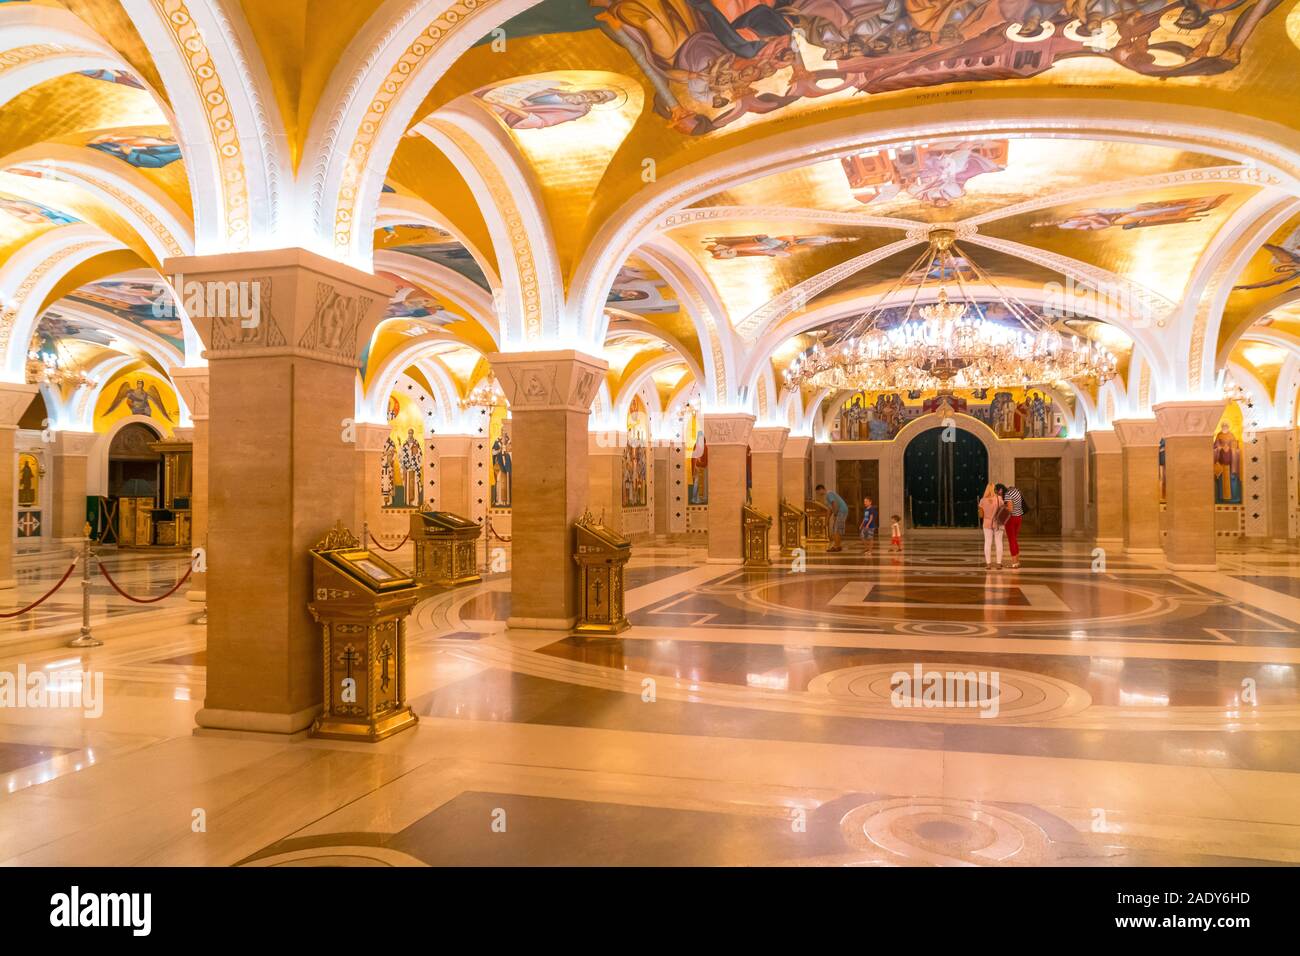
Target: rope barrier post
x,y
86,639
203,618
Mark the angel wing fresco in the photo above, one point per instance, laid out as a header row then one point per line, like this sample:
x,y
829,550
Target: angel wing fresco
x,y
139,399
1286,266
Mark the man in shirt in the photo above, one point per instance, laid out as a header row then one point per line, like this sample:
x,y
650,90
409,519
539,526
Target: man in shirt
x,y
839,509
1016,503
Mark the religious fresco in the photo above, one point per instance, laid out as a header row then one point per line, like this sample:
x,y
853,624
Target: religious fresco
x,y
29,480
1011,413
1227,457
1284,265
411,302
635,466
772,247
935,174
119,77
697,461
149,305
139,392
1138,215
502,476
538,103
29,211
640,291
712,64
140,151
401,465
433,245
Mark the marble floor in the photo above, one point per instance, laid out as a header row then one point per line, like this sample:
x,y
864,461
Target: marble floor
x,y
1091,709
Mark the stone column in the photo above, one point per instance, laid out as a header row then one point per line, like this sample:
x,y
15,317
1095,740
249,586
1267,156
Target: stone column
x,y
455,491
70,460
605,477
669,496
369,505
1273,501
192,385
727,435
282,344
1188,431
550,395
767,448
1139,440
1106,482
794,471
14,399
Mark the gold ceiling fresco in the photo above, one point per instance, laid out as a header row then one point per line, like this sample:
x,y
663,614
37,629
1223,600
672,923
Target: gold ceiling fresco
x,y
1273,271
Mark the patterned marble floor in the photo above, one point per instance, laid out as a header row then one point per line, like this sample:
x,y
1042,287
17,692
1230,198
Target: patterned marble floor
x,y
1092,710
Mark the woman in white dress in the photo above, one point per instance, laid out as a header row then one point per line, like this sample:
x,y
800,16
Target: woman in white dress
x,y
990,504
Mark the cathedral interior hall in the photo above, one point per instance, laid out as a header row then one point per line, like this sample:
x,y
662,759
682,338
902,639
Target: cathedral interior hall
x,y
649,433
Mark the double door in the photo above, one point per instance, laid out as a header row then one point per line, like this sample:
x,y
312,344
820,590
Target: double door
x,y
1039,481
855,480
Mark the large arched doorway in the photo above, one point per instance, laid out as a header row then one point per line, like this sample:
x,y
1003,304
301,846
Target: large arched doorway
x,y
944,474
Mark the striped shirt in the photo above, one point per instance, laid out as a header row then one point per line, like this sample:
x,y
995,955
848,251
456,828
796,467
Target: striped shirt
x,y
1015,502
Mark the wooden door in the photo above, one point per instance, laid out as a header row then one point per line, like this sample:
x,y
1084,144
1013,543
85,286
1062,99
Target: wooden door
x,y
1039,481
857,479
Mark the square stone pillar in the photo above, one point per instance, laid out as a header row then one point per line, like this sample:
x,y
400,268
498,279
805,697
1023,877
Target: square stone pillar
x,y
1139,440
70,466
193,386
14,399
668,487
454,479
369,505
1106,482
550,395
282,468
727,435
795,469
1188,431
605,477
1273,501
767,450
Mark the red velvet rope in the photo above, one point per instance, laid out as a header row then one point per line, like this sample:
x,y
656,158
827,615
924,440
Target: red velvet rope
x,y
394,548
493,531
104,571
48,595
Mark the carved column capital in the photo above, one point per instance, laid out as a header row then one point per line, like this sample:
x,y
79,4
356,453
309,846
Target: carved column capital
x,y
371,437
73,444
14,399
768,439
798,446
454,446
727,428
1137,432
1195,419
279,302
1103,441
548,381
192,386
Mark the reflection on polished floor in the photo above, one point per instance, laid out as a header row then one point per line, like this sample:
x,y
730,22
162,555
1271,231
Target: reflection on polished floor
x,y
1143,717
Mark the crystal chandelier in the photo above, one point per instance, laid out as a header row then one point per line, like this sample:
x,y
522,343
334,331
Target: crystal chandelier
x,y
486,394
44,367
948,344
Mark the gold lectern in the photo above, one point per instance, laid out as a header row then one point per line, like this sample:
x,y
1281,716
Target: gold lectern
x,y
445,548
791,530
361,604
756,526
818,533
601,554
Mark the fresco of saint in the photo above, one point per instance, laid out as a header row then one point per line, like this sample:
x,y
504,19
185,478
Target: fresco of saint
x,y
778,247
142,152
1227,467
933,174
412,461
138,399
538,104
1169,212
1286,267
388,471
27,211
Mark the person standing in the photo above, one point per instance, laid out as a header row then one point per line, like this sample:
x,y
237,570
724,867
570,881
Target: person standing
x,y
990,506
896,533
1016,505
839,509
870,523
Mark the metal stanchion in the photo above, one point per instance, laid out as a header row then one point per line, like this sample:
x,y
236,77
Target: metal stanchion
x,y
86,639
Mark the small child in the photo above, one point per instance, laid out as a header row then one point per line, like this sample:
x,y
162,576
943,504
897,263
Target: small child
x,y
896,533
870,521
